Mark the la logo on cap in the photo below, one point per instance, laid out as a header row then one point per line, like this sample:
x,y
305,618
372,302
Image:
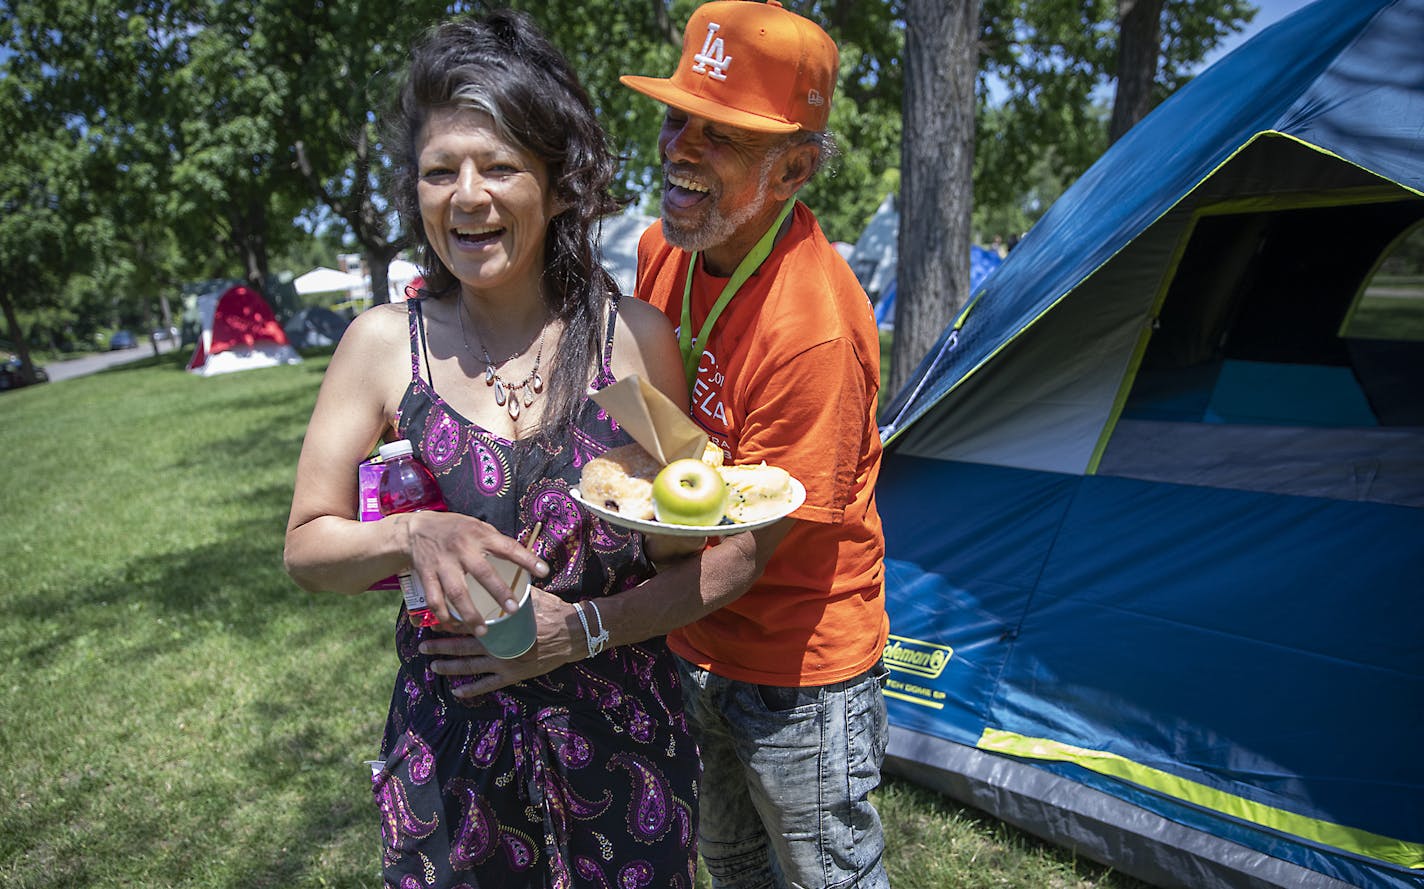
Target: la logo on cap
x,y
713,54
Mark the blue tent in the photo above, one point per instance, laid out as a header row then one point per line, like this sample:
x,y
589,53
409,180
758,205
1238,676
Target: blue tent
x,y
982,261
1154,503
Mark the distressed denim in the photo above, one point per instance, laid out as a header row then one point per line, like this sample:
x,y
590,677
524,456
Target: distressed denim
x,y
786,781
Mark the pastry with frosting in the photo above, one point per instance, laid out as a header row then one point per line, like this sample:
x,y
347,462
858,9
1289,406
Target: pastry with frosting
x,y
755,492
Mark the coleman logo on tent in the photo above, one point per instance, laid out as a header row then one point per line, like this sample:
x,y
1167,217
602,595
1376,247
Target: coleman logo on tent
x,y
713,60
913,656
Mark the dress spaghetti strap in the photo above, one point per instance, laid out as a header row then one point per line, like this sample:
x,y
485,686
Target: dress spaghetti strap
x,y
415,311
607,367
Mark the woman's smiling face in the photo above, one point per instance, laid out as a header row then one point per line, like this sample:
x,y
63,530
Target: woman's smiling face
x,y
485,202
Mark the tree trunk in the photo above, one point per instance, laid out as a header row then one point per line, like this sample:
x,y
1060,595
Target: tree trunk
x,y
17,336
254,261
1138,45
936,184
378,260
249,242
366,221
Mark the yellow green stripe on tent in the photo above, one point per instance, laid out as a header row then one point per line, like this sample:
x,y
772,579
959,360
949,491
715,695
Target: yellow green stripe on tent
x,y
1338,836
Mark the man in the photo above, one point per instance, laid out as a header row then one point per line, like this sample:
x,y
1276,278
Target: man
x,y
780,631
783,684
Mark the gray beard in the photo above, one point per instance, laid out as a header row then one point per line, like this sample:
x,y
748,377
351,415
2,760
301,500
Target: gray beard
x,y
715,228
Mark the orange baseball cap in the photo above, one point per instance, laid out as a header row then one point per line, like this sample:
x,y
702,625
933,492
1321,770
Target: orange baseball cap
x,y
755,66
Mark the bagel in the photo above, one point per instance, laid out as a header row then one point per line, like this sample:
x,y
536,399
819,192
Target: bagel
x,y
621,480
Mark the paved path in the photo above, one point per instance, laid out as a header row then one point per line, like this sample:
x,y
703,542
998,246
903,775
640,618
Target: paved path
x,y
78,367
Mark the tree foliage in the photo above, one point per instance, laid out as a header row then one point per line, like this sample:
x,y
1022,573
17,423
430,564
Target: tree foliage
x,y
37,193
165,142
1043,67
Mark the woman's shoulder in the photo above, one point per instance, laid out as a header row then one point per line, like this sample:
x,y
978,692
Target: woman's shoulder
x,y
644,344
379,333
380,326
381,317
641,319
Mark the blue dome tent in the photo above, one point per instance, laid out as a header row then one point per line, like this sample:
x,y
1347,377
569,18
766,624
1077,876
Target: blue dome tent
x,y
1154,503
982,261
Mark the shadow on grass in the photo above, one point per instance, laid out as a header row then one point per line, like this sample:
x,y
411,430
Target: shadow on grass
x,y
291,786
234,582
292,687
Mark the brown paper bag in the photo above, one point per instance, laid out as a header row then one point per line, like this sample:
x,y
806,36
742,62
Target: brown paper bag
x,y
653,420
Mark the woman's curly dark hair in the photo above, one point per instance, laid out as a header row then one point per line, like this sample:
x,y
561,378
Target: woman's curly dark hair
x,y
502,64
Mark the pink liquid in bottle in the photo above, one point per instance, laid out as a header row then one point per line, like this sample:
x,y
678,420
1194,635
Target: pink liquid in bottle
x,y
407,486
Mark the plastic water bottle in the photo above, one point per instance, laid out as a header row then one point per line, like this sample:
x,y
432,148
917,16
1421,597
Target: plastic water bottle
x,y
407,486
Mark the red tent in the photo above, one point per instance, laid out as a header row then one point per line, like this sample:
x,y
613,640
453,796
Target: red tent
x,y
240,332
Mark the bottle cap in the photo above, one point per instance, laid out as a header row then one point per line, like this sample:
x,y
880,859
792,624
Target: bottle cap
x,y
393,449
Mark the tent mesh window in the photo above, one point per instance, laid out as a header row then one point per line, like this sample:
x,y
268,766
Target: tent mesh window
x,y
1288,357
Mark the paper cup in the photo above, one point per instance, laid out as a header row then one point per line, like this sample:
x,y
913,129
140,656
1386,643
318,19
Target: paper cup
x,y
509,635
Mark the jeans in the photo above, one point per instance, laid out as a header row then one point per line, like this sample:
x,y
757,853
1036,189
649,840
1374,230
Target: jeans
x,y
786,781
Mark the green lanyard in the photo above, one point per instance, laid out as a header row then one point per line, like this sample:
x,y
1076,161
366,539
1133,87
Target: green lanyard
x,y
749,264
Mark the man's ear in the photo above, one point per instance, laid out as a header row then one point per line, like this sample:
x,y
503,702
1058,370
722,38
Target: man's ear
x,y
794,169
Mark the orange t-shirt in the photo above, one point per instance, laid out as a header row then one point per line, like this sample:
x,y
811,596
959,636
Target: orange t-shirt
x,y
789,375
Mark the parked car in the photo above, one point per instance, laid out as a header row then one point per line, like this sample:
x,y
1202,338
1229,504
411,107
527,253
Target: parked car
x,y
11,378
123,339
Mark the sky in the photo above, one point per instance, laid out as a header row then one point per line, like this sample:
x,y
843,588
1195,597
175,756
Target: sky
x,y
1270,12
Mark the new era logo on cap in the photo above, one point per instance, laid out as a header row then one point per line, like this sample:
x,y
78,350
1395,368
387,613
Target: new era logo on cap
x,y
785,68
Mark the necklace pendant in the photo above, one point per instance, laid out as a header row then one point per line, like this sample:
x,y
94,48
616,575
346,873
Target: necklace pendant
x,y
514,407
499,392
537,382
489,374
528,397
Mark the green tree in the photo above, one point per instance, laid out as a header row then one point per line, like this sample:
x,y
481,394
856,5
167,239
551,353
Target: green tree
x,y
339,65
35,193
231,182
175,119
1041,64
180,141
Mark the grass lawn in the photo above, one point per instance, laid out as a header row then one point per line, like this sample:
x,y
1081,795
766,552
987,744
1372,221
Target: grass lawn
x,y
178,714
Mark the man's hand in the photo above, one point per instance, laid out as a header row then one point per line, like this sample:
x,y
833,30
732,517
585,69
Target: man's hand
x,y
559,640
664,548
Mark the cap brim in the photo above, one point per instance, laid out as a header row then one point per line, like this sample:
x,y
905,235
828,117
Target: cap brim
x,y
668,93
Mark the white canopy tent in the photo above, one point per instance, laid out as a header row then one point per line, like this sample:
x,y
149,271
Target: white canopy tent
x,y
398,274
324,280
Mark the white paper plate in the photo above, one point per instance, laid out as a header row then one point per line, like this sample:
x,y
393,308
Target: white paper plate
x,y
649,526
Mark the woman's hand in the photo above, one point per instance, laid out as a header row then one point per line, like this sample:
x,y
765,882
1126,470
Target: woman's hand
x,y
444,547
559,640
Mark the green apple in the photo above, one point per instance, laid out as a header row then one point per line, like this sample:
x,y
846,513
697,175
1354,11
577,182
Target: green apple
x,y
689,492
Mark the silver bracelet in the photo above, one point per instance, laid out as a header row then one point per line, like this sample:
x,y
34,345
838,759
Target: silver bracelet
x,y
595,643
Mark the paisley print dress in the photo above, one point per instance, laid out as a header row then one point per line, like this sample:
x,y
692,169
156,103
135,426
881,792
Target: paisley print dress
x,y
584,777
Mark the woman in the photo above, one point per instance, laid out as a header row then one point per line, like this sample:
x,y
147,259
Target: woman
x,y
585,776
